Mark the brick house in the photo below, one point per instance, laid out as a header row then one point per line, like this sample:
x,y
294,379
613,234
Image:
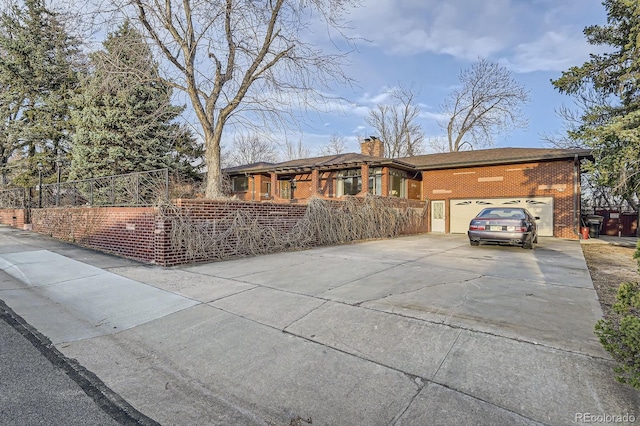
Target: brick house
x,y
545,181
330,176
456,185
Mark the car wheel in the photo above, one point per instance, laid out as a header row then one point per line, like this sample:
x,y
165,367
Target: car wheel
x,y
475,243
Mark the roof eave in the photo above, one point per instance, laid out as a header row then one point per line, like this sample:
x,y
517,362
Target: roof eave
x,y
565,156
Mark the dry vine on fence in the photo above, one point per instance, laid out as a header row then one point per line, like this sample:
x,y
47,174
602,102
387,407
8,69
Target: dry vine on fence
x,y
324,222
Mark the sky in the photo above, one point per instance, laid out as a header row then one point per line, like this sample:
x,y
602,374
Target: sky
x,y
426,43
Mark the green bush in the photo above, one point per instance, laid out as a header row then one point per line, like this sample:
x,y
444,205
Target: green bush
x,y
636,254
621,336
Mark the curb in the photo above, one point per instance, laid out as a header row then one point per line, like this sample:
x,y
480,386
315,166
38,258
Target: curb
x,y
108,401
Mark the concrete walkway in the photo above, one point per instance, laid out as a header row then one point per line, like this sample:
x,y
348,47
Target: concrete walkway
x,y
415,330
615,241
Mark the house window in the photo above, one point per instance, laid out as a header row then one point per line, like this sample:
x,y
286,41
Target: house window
x,y
349,182
375,181
398,184
240,183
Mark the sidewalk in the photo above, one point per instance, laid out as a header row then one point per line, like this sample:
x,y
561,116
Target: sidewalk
x,y
38,385
614,241
415,330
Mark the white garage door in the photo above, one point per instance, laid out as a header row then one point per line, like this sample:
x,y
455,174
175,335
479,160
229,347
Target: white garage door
x,y
462,211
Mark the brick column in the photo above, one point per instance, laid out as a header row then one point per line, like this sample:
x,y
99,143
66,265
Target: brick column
x,y
252,188
364,175
257,185
385,182
315,182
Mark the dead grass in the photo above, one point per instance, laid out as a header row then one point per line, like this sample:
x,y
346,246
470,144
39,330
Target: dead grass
x,y
610,266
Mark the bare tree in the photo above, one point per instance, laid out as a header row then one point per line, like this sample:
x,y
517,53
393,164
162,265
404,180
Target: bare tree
x,y
336,145
438,144
396,124
248,149
294,150
243,62
487,103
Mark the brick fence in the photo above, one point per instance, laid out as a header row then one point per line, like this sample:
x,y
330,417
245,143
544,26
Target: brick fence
x,y
280,217
124,231
143,233
13,217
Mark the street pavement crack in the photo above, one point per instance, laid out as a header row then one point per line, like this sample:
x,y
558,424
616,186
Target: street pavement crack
x,y
447,354
305,315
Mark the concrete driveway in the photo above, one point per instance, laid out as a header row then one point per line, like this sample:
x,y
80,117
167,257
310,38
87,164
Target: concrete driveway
x,y
415,330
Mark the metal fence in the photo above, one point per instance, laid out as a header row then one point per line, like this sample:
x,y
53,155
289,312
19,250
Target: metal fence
x,y
132,189
14,198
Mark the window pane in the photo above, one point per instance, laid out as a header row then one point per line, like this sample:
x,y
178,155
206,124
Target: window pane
x,y
375,184
347,187
438,210
352,185
398,186
395,186
240,183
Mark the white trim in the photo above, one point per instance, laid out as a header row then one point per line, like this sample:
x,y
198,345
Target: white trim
x,y
438,216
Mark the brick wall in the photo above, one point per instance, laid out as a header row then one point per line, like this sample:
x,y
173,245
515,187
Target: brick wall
x,y
126,231
547,179
13,217
144,233
280,217
304,186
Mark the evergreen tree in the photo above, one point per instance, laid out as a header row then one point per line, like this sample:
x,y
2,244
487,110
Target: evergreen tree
x,y
609,85
39,69
124,119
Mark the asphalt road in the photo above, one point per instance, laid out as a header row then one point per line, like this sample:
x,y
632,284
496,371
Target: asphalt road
x,y
39,386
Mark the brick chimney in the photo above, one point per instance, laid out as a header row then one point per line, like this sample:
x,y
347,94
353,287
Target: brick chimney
x,y
372,146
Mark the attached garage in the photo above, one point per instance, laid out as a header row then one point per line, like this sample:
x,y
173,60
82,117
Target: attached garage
x,y
544,181
462,211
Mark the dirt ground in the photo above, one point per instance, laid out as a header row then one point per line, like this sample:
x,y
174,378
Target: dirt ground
x,y
610,266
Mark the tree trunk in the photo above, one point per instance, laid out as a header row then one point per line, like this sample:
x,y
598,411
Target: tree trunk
x,y
212,155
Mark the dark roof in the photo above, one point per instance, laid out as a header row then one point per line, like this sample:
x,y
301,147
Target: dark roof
x,y
481,157
324,162
327,160
484,157
252,166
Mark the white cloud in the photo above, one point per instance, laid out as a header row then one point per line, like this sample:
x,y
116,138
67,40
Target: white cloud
x,y
458,27
378,98
434,116
538,35
552,51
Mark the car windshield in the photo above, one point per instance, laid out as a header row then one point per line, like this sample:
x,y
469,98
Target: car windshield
x,y
501,214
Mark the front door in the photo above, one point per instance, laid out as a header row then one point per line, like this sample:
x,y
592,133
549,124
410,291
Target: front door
x,y
285,189
437,216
